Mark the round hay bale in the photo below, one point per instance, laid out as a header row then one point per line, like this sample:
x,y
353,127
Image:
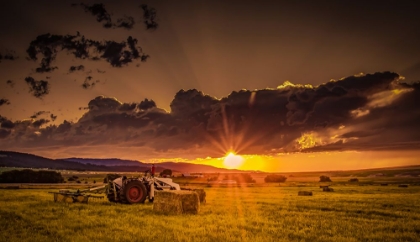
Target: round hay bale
x,y
327,189
304,193
201,195
403,185
176,202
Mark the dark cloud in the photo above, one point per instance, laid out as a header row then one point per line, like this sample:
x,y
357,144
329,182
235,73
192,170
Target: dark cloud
x,y
89,82
9,56
39,113
4,133
40,122
117,54
98,10
127,107
103,104
4,101
7,124
102,16
127,22
376,112
10,83
149,17
146,104
76,68
37,88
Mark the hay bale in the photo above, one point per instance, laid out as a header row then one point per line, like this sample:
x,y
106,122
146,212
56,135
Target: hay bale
x,y
327,189
176,202
403,185
304,193
201,195
324,186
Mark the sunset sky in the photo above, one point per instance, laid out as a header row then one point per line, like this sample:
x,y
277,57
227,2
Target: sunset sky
x,y
282,85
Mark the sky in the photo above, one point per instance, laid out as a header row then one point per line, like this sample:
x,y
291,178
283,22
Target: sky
x,y
282,85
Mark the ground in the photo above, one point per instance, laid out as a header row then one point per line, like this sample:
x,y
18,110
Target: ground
x,y
260,212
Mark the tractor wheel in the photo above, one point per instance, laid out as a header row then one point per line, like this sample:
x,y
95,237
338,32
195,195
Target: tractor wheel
x,y
134,192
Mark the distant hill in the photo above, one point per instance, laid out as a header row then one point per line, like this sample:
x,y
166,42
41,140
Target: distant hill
x,y
106,162
23,160
16,159
174,166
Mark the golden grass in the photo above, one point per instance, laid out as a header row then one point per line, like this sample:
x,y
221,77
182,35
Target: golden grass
x,y
266,213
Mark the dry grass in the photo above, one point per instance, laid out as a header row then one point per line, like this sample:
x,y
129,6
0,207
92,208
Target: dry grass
x,y
267,213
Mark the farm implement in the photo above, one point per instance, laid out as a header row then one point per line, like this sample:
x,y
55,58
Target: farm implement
x,y
68,196
121,190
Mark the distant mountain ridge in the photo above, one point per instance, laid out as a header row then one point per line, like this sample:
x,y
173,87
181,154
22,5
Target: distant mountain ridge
x,y
174,166
105,162
23,160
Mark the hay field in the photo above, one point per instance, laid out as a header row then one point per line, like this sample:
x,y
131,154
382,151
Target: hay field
x,y
259,213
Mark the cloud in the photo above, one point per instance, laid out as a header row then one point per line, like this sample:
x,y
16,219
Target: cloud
x,y
9,56
39,113
4,133
76,68
102,16
98,10
37,88
127,22
10,83
6,124
53,117
290,118
89,82
117,54
4,101
40,122
146,104
149,17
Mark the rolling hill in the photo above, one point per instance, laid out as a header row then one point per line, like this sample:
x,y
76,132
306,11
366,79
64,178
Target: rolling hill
x,y
23,160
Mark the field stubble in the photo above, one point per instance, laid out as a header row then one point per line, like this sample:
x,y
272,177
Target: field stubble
x,y
267,213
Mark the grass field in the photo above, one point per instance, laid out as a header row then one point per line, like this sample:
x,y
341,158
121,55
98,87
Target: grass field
x,y
259,213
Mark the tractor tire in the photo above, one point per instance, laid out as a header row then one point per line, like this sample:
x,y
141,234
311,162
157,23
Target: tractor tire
x,y
134,192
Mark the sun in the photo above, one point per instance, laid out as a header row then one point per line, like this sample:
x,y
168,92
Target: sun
x,y
233,161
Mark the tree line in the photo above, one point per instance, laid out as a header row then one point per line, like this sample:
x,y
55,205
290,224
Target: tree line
x,y
31,176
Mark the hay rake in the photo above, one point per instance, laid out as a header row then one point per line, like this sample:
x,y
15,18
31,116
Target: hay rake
x,y
77,196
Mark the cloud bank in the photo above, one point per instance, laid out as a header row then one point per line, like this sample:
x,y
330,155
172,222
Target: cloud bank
x,y
364,112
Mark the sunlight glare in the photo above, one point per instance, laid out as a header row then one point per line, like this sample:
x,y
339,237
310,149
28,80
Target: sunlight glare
x,y
233,161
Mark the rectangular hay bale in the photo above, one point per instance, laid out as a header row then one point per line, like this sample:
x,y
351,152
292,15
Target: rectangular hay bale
x,y
304,193
176,202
